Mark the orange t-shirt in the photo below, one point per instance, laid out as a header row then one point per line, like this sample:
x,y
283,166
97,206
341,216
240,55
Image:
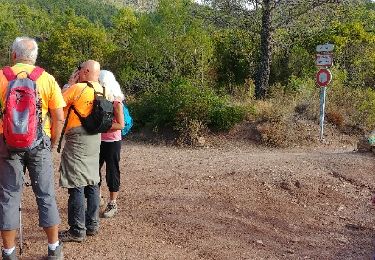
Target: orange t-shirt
x,y
81,96
48,90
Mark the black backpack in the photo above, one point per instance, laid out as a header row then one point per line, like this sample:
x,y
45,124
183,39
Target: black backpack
x,y
100,118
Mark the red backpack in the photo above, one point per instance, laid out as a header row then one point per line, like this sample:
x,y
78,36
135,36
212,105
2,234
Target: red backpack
x,y
22,118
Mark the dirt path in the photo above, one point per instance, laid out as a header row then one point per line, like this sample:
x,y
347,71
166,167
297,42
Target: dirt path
x,y
237,202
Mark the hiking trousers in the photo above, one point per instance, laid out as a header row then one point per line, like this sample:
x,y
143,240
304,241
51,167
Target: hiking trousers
x,y
83,209
38,162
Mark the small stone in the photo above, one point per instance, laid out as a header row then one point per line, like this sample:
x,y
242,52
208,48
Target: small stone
x,y
285,185
343,240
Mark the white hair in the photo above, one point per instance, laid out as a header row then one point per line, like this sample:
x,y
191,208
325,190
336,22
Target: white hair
x,y
23,50
108,80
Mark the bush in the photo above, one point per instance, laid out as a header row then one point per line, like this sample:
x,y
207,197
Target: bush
x,y
180,105
224,117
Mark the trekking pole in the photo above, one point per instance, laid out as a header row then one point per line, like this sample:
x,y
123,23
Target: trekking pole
x,y
27,184
21,238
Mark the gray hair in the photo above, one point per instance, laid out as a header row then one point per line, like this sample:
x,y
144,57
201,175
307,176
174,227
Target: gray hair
x,y
25,48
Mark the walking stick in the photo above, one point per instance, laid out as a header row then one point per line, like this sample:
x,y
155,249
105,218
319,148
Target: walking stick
x,y
27,184
21,238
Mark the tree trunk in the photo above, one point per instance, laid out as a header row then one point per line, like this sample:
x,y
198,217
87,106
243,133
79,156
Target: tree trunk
x,y
263,70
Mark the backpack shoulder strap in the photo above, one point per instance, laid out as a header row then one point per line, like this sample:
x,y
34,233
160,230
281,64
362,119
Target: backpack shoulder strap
x,y
95,92
9,74
64,128
36,73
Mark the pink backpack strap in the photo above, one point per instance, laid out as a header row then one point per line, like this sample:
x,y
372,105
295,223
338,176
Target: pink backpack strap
x,y
8,73
35,74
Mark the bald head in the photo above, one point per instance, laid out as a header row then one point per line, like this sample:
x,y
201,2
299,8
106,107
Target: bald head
x,y
89,71
25,50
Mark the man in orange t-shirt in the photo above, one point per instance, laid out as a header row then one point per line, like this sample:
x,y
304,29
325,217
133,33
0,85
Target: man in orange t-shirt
x,y
79,168
37,160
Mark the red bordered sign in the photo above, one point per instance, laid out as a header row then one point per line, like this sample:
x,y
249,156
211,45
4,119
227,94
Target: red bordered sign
x,y
323,77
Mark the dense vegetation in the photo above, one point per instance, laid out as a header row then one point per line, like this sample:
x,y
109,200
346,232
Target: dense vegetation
x,y
191,67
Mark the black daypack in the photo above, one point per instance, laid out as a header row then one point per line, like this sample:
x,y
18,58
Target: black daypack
x,y
101,117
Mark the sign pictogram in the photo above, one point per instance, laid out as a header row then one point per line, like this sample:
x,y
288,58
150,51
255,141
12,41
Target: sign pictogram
x,y
323,77
328,47
324,60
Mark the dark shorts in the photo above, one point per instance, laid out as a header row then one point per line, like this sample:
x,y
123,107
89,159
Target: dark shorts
x,y
38,162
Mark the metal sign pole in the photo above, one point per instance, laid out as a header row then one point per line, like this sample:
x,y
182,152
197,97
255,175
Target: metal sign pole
x,y
324,60
322,111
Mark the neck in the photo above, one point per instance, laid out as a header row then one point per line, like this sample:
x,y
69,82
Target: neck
x,y
25,62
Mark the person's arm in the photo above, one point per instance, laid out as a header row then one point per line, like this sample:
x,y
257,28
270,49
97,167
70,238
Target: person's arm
x,y
119,123
57,122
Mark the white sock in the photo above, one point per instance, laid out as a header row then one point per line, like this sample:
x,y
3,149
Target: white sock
x,y
53,246
8,251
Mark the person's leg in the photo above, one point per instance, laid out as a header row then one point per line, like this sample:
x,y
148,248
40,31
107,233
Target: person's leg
x,y
102,156
113,169
9,238
52,234
39,164
76,217
92,211
76,211
113,178
11,168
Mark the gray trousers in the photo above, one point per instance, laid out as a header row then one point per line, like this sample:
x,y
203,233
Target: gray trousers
x,y
38,162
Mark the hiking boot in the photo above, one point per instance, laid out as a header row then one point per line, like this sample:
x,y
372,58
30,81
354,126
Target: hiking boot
x,y
67,236
92,232
12,256
110,210
56,254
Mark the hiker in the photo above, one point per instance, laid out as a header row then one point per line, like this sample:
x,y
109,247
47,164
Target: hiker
x,y
31,149
110,146
79,168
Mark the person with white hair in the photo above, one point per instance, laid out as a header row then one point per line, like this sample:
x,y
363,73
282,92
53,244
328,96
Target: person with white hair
x,y
110,147
36,158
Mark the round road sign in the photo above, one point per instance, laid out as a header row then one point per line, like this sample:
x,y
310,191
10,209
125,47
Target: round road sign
x,y
323,77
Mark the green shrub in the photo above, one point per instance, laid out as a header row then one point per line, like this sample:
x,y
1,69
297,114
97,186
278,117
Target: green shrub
x,y
366,109
222,118
175,105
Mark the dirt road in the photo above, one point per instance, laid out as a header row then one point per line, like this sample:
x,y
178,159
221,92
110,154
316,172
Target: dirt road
x,y
231,202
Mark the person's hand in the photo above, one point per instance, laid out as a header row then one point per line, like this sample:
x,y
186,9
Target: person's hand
x,y
74,77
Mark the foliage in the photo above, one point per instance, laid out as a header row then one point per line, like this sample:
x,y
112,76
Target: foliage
x,y
235,52
161,46
95,11
356,52
74,40
179,102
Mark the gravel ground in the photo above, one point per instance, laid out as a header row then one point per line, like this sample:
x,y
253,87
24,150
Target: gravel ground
x,y
232,201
